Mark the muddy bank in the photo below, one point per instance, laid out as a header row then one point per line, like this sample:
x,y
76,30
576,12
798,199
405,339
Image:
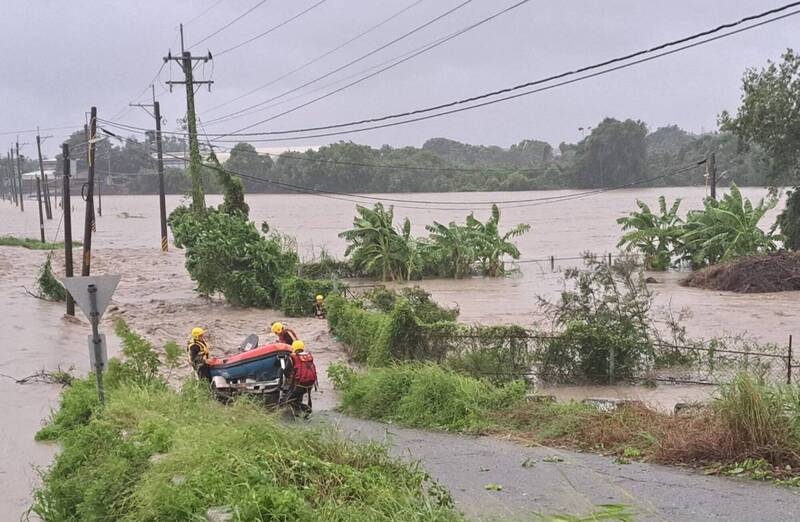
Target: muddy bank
x,y
776,272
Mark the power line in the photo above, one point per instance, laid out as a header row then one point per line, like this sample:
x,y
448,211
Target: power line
x,y
560,75
490,102
356,60
535,82
205,11
271,29
392,65
259,4
320,57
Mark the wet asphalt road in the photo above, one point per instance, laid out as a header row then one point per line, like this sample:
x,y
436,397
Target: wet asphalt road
x,y
465,465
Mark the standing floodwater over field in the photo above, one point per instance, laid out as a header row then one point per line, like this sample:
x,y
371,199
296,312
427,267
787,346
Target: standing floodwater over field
x,y
158,295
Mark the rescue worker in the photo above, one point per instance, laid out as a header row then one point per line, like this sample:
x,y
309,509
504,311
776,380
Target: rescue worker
x,y
302,377
285,335
198,353
319,307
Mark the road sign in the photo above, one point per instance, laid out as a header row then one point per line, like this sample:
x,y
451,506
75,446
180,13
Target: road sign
x,y
78,287
102,350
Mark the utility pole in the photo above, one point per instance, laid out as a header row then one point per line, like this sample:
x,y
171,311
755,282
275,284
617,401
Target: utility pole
x,y
89,218
39,199
186,61
711,171
162,202
47,208
3,184
19,175
67,208
12,177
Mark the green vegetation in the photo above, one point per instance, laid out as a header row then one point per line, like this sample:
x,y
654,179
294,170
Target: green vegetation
x,y
49,287
153,453
226,253
424,396
725,229
378,249
768,117
747,420
297,295
655,236
603,512
33,244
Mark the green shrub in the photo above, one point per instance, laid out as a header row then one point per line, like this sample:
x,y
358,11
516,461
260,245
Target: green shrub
x,y
362,332
141,359
156,454
47,284
226,253
297,295
325,267
426,396
425,309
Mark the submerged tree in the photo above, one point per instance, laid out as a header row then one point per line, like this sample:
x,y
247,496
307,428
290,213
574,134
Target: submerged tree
x,y
490,246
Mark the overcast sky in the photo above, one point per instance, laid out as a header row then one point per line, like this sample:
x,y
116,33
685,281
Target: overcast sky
x,y
60,57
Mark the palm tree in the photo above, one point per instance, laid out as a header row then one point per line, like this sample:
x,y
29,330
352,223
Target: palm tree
x,y
727,229
656,236
490,246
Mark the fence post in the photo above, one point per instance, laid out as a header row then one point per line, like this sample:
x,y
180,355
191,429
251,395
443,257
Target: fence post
x,y
552,263
789,363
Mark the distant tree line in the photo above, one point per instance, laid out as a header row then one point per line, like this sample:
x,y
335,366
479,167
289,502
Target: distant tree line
x,y
615,153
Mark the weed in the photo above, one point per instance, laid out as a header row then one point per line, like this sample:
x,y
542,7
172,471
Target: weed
x,y
493,487
604,512
49,287
32,244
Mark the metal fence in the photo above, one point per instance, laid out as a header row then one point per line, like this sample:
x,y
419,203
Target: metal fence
x,y
557,359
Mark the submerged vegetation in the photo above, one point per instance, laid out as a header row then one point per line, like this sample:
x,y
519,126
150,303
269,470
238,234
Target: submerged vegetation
x,y
49,287
725,229
32,244
376,248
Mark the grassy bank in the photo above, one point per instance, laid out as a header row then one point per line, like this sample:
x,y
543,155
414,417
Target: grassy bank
x,y
33,244
750,429
153,453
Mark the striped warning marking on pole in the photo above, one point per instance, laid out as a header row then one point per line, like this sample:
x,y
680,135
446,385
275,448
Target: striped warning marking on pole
x,y
164,244
94,225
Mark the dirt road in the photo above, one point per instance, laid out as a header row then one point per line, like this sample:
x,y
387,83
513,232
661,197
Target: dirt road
x,y
577,483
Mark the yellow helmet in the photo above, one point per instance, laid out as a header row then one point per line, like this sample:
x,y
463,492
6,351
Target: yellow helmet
x,y
197,332
277,328
320,298
298,346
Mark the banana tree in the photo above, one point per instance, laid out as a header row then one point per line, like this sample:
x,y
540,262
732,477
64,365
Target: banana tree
x,y
655,236
727,229
376,247
449,250
491,247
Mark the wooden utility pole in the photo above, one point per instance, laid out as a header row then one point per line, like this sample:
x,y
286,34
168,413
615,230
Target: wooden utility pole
x,y
89,217
711,173
67,209
162,202
3,184
186,61
19,185
39,200
47,209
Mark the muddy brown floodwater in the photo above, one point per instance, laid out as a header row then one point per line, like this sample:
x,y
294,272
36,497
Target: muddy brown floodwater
x,y
156,295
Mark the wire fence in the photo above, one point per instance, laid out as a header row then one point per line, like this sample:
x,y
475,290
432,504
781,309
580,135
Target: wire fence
x,y
568,360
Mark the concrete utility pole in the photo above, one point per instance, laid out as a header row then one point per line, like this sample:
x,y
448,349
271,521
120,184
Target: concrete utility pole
x,y
12,176
186,61
39,200
19,175
89,219
3,183
162,203
66,206
47,209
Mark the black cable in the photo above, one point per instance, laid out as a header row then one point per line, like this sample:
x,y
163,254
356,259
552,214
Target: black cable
x,y
498,100
320,57
203,13
390,66
553,77
271,29
259,4
356,60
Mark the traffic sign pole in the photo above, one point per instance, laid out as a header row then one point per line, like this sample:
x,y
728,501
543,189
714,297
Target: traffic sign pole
x,y
96,343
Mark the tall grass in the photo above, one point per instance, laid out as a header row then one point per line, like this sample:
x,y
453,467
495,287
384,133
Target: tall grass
x,y
155,454
33,244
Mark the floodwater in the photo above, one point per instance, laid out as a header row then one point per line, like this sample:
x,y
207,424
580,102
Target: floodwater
x,y
156,295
